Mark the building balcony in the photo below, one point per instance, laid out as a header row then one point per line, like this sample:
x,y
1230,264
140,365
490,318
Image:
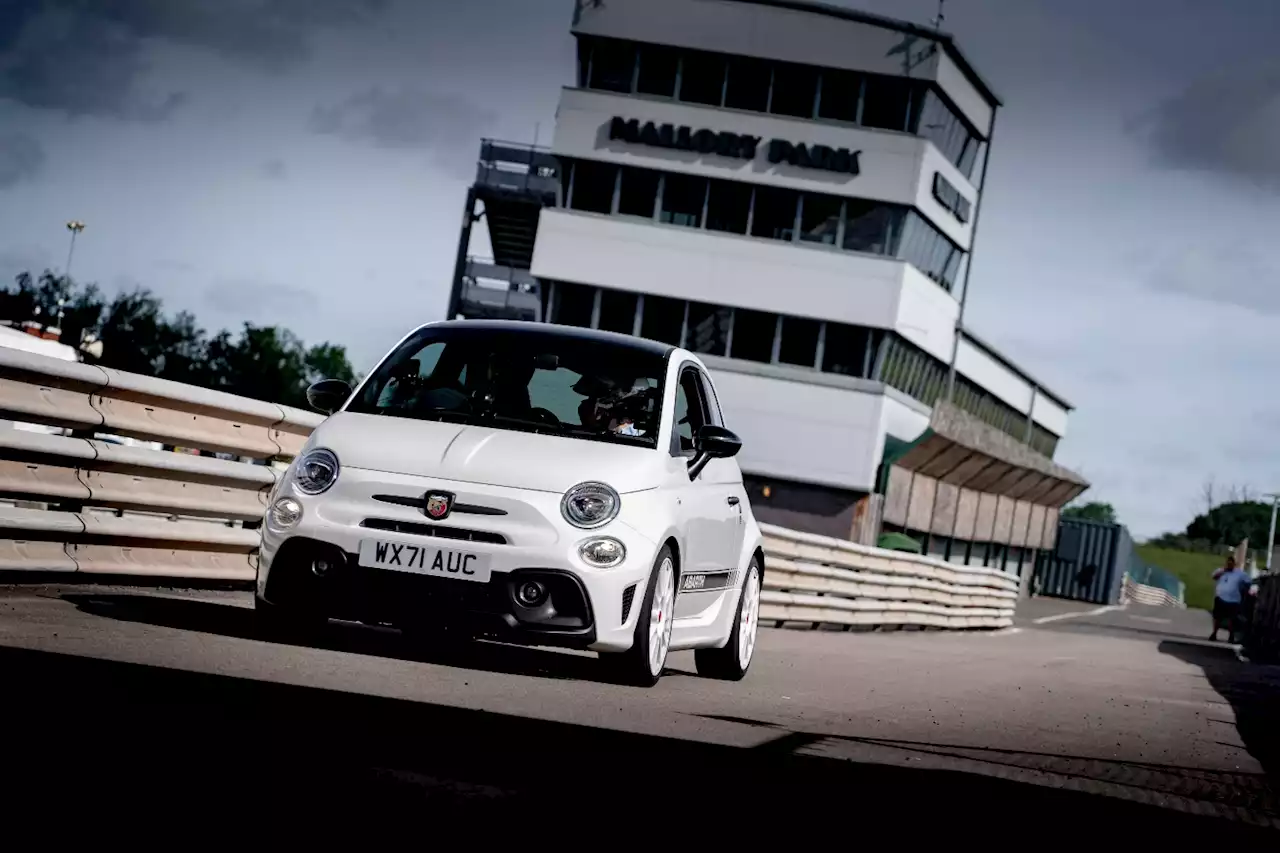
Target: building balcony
x,y
643,256
491,291
520,170
886,166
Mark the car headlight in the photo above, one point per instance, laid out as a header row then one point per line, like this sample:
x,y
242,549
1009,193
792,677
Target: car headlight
x,y
589,505
316,473
285,513
603,553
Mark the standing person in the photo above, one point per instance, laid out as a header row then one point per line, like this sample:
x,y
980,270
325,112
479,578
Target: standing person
x,y
1228,596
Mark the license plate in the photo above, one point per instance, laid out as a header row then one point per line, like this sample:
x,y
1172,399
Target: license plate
x,y
438,562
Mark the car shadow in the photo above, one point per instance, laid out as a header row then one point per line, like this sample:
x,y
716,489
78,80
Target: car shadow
x,y
106,748
1252,690
232,620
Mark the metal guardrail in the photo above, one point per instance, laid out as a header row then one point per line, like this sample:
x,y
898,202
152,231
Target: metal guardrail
x,y
1142,593
106,509
102,508
814,580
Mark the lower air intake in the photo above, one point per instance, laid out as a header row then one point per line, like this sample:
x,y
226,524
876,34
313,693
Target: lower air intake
x,y
628,596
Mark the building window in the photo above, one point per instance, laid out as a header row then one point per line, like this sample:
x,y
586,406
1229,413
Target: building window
x,y
638,192
765,337
795,90
774,213
820,218
956,140
663,320
702,77
728,206
925,248
856,225
782,88
683,199
574,304
845,350
592,186
748,84
886,102
657,73
841,91
869,226
709,328
753,333
617,311
798,342
613,65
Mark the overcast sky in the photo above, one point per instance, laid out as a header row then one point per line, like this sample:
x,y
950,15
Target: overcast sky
x,y
305,162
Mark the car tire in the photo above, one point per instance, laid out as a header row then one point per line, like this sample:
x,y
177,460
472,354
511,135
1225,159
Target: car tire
x,y
287,622
642,664
731,662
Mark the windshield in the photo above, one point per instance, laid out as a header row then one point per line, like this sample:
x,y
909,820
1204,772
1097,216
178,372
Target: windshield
x,y
531,380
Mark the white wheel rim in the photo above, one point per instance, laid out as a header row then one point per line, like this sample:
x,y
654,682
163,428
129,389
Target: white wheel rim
x,y
661,617
749,617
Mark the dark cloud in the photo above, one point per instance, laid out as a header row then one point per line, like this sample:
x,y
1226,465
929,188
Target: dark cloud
x,y
1228,123
21,158
447,125
85,57
274,169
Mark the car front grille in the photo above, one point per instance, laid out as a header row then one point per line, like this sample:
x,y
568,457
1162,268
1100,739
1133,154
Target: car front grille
x,y
436,531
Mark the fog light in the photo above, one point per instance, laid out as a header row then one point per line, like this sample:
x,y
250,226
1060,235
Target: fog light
x,y
285,513
321,567
603,553
531,593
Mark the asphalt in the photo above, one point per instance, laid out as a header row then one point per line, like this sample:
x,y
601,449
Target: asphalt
x,y
147,712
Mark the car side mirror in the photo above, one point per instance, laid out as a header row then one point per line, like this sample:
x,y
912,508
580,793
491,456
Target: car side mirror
x,y
712,442
328,395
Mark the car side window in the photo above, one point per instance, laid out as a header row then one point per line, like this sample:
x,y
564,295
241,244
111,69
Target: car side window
x,y
714,414
689,412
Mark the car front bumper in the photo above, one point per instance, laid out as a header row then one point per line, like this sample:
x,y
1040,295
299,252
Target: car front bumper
x,y
585,606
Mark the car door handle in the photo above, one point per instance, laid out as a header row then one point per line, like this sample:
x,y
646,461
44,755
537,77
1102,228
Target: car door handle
x,y
733,500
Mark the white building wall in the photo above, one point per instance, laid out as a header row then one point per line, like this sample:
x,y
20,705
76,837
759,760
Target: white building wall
x,y
788,35
932,162
926,314
1050,415
964,94
974,363
894,167
814,433
993,376
746,272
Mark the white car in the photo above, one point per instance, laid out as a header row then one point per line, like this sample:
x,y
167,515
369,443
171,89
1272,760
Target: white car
x,y
535,483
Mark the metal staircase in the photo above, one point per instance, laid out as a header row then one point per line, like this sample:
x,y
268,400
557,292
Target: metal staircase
x,y
513,183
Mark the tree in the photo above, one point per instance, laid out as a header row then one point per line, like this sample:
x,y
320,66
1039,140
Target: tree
x,y
1092,511
264,362
1229,523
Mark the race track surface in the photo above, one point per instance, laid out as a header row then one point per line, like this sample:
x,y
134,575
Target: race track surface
x,y
152,712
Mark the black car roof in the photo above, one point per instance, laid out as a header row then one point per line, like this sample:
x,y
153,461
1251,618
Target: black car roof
x,y
643,345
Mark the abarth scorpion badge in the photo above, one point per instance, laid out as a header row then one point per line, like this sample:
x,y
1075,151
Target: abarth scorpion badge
x,y
438,505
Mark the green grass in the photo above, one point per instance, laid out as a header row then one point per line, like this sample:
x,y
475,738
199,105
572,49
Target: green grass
x,y
1195,570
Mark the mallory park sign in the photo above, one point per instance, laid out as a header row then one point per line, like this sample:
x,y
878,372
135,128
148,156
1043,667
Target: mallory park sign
x,y
737,146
